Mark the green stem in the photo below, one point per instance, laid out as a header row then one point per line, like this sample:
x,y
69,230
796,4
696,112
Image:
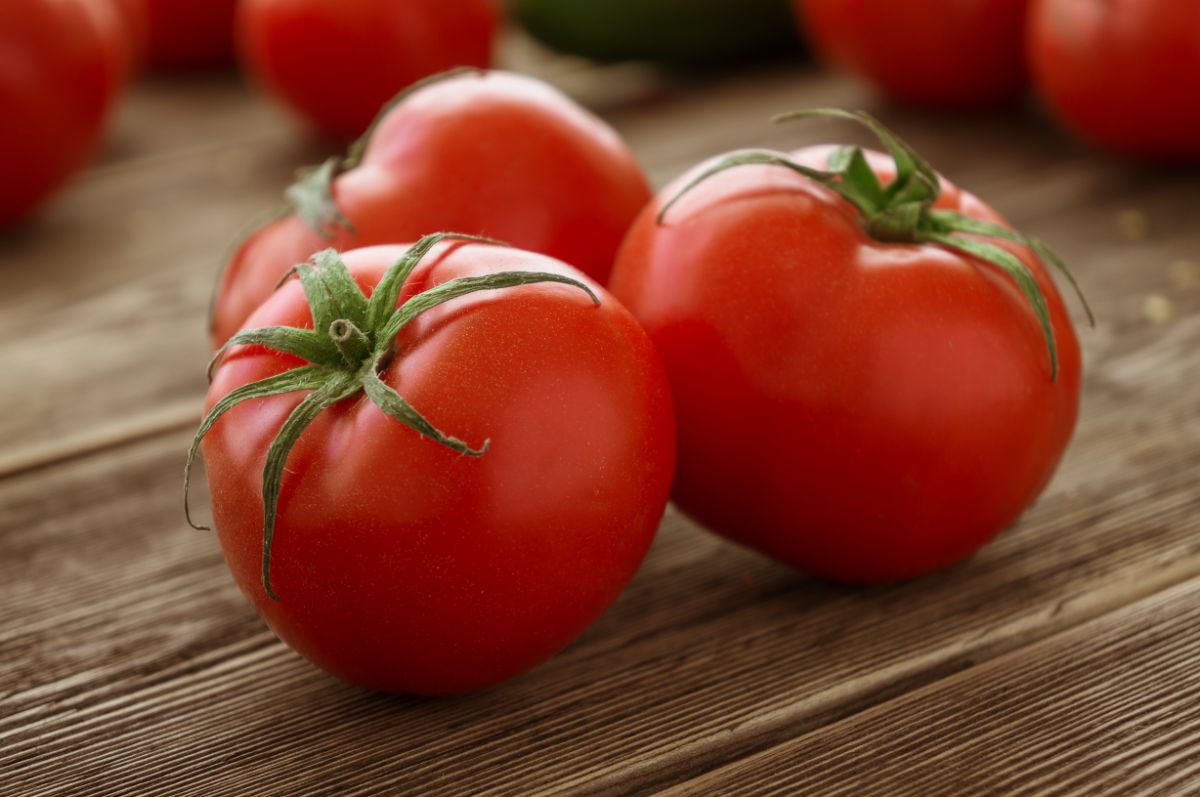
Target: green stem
x,y
351,341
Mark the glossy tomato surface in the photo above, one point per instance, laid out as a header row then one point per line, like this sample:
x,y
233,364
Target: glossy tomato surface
x,y
189,34
493,154
945,53
337,62
1123,74
859,410
61,66
403,566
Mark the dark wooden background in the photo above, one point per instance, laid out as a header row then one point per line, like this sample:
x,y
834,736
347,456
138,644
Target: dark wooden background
x,y
1063,659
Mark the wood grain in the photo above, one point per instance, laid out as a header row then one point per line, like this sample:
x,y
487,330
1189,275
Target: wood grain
x,y
1111,707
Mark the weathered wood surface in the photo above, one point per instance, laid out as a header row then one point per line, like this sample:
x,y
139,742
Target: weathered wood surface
x,y
129,664
1112,707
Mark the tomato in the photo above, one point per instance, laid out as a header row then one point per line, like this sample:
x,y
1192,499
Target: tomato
x,y
856,395
135,24
948,53
494,154
410,565
61,66
667,30
337,61
189,34
1123,74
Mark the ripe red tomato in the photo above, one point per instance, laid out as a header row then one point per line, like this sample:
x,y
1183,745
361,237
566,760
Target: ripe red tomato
x,y
61,65
338,61
1123,74
951,53
852,397
189,34
135,25
402,564
495,154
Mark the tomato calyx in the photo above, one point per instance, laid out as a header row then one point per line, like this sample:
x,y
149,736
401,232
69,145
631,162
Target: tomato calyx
x,y
903,212
352,341
310,196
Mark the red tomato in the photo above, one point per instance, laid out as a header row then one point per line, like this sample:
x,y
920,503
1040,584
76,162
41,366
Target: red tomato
x,y
338,61
135,24
1123,74
545,176
862,410
952,53
189,34
61,66
402,565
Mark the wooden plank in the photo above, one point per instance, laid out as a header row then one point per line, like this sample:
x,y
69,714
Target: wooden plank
x,y
132,666
1111,707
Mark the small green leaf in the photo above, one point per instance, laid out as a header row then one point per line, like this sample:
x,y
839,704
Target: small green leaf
x,y
335,388
346,297
311,197
1020,274
760,158
387,292
394,406
304,343
915,179
949,221
320,301
860,181
452,289
304,378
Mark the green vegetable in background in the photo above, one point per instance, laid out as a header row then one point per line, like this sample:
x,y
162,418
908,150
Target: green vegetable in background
x,y
663,30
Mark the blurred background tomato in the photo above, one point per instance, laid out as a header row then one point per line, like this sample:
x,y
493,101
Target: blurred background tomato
x,y
336,62
1124,75
62,63
944,53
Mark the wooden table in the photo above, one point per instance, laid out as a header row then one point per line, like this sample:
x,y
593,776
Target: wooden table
x,y
1065,658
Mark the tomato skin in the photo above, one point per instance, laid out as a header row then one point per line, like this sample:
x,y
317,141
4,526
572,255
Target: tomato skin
x,y
549,177
865,412
337,62
61,69
1124,75
185,35
942,53
132,19
405,567
665,30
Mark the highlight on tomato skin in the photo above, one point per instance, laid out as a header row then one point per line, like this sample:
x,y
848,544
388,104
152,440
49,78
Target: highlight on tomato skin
x,y
957,54
449,560
549,176
1124,77
863,410
335,62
